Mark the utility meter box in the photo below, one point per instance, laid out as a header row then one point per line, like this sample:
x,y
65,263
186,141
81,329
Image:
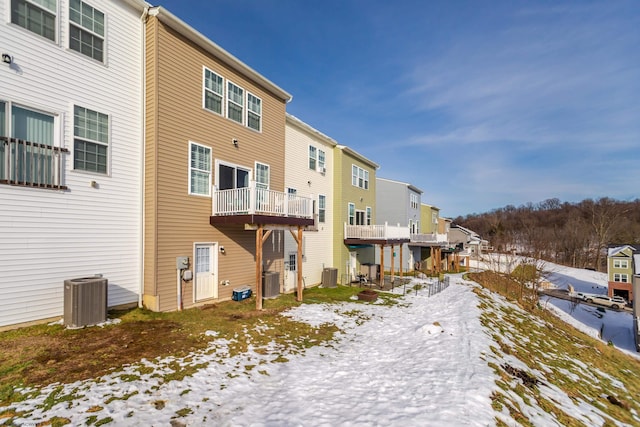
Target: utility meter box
x,y
182,262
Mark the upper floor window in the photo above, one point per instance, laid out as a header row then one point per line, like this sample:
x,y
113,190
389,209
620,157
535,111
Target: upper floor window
x,y
199,169
29,155
413,198
322,208
352,214
359,177
213,91
434,218
235,103
623,278
620,263
368,211
262,175
254,112
86,30
38,16
91,140
321,161
313,157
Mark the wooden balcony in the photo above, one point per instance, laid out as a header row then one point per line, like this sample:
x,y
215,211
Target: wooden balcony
x,y
255,205
384,234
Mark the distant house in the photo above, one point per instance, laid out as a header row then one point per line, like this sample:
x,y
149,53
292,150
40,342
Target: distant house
x,y
470,243
309,169
620,270
398,203
71,142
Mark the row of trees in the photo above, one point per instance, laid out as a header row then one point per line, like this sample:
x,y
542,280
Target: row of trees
x,y
574,234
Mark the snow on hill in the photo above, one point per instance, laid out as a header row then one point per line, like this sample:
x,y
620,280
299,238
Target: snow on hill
x,y
423,362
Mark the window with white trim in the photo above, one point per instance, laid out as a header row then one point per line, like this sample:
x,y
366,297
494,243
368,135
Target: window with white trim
x,y
262,175
322,208
91,140
254,112
235,103
359,177
352,213
86,30
321,161
313,157
199,169
620,263
293,263
434,218
38,16
368,210
29,151
620,277
413,200
213,91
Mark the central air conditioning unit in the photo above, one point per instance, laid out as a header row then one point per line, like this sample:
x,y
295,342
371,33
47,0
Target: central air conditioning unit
x,y
85,301
330,278
270,284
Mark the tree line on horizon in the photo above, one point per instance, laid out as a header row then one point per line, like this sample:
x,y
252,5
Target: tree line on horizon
x,y
572,234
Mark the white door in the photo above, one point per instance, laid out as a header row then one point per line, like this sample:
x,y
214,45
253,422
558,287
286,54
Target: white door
x,y
353,264
291,272
206,262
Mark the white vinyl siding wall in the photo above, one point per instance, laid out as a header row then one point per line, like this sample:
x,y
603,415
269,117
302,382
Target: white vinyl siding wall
x,y
318,245
94,227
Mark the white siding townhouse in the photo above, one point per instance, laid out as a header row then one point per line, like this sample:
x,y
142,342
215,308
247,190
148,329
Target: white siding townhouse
x,y
71,121
309,170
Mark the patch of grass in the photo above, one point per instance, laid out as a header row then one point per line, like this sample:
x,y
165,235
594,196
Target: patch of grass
x,y
556,353
104,421
39,355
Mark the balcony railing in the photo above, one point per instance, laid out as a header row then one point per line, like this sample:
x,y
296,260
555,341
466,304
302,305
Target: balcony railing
x,y
254,200
30,164
429,238
376,232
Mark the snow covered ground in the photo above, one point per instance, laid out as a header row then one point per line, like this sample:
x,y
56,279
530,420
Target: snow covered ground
x,y
423,362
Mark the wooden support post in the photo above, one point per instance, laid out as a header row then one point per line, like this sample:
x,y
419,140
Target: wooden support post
x,y
259,234
299,239
400,261
381,266
393,261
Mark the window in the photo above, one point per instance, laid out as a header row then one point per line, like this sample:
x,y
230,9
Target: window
x,y
359,177
360,217
230,176
199,169
623,278
413,198
321,161
322,208
293,264
91,142
352,214
28,152
313,153
434,218
38,16
368,215
235,103
86,30
262,175
254,112
213,91
620,263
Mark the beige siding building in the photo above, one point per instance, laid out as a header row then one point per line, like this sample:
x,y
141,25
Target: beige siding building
x,y
309,171
214,170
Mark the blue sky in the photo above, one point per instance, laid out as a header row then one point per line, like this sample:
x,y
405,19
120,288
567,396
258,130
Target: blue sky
x,y
480,104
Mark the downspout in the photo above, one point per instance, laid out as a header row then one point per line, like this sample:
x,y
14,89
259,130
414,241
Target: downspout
x,y
143,20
